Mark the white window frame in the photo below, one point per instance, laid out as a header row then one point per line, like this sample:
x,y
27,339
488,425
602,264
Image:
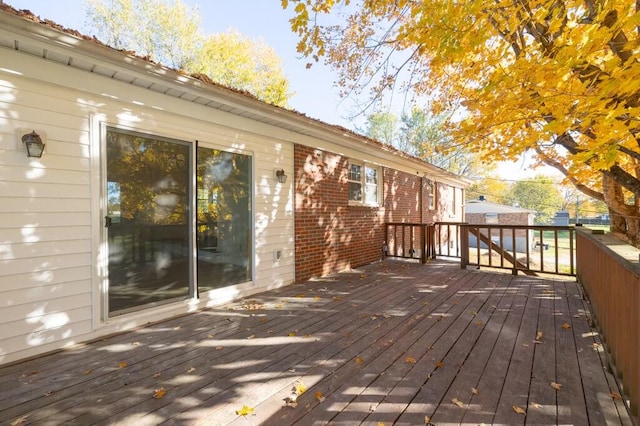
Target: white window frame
x,y
431,195
362,181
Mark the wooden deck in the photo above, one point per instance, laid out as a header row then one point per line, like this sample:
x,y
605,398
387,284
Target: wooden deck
x,y
391,343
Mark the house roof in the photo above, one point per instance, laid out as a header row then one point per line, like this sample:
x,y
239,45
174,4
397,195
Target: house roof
x,y
22,31
477,206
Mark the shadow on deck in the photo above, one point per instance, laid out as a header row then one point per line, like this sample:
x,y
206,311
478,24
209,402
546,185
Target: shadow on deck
x,y
389,343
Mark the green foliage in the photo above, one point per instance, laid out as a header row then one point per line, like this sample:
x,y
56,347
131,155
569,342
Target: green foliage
x,y
169,32
540,194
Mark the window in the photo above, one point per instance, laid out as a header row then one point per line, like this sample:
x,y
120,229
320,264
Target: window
x,y
491,218
363,184
431,195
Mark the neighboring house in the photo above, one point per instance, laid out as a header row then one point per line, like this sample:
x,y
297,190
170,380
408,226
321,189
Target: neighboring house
x,y
159,193
482,212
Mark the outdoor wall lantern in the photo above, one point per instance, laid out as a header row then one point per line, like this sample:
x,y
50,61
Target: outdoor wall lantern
x,y
33,144
282,178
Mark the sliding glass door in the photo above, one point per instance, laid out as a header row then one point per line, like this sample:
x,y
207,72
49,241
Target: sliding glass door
x,y
147,220
224,227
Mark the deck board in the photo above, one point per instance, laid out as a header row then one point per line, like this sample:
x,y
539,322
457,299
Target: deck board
x,y
390,343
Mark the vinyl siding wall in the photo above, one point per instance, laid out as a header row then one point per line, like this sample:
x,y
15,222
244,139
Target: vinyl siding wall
x,y
50,208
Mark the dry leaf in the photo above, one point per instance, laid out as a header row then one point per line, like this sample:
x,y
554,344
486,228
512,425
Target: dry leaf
x,y
176,328
86,372
122,364
439,364
299,388
518,409
359,360
616,395
427,420
474,391
191,370
410,360
536,405
319,396
219,348
300,295
316,297
19,421
555,385
251,337
566,326
157,374
539,335
292,334
210,336
457,402
159,393
244,411
291,402
479,323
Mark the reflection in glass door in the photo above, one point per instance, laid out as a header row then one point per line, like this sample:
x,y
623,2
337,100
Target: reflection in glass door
x,y
224,229
147,220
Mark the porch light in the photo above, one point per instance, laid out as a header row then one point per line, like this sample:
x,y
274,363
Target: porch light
x,y
33,144
282,178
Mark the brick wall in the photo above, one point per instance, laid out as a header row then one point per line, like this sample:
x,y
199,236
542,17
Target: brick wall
x,y
332,235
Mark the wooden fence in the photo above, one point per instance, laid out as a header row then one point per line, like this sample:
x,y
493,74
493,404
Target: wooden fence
x,y
609,272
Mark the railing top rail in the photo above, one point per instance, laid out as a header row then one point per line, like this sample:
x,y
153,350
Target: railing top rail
x,y
534,227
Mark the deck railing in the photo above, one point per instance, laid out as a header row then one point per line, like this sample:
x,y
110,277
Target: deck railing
x,y
609,272
529,249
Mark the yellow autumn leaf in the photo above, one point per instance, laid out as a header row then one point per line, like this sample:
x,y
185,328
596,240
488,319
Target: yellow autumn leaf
x,y
316,297
474,391
539,335
410,360
457,402
291,334
616,395
122,364
299,388
518,409
439,364
555,385
566,326
19,421
300,295
319,396
86,372
245,411
191,370
359,360
159,393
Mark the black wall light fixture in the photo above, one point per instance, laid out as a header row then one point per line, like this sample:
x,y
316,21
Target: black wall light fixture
x,y
33,144
282,178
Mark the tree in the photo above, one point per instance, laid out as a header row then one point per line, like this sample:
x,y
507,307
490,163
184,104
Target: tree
x,y
539,194
169,32
558,78
383,127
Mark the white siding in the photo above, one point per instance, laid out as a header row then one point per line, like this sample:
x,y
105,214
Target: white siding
x,y
50,216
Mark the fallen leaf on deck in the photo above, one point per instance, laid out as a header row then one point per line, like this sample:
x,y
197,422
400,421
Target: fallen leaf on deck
x,y
479,323
191,370
86,372
427,420
359,360
176,328
263,319
555,385
536,405
135,343
539,335
291,403
251,337
439,364
278,306
474,391
159,393
566,326
410,360
244,411
299,388
122,364
300,295
457,402
616,395
156,375
337,298
219,348
19,421
386,316
292,334
518,409
210,336
316,297
319,396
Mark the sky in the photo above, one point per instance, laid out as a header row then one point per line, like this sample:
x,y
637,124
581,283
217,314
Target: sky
x,y
315,94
